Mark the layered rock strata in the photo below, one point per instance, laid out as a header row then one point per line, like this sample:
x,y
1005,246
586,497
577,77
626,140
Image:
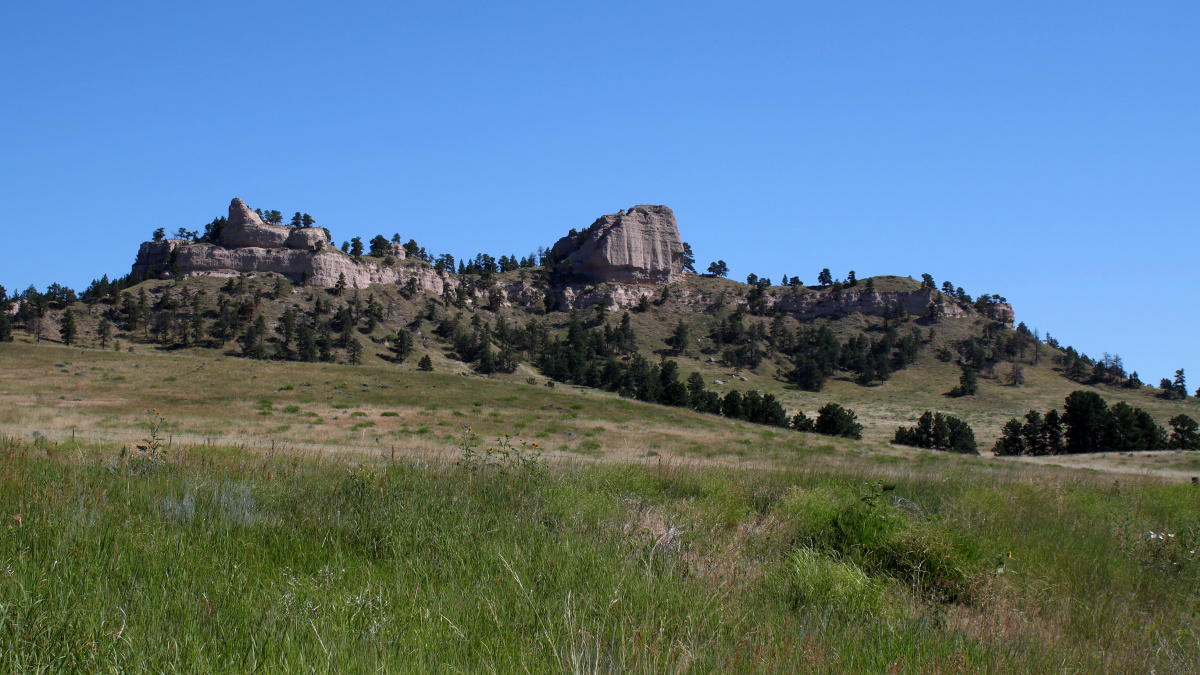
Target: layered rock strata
x,y
321,269
638,246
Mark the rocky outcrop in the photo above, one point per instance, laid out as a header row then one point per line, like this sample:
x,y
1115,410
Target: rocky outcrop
x,y
306,239
246,230
316,268
639,246
612,296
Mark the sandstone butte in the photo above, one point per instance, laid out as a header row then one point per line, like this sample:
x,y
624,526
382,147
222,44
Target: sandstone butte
x,y
616,261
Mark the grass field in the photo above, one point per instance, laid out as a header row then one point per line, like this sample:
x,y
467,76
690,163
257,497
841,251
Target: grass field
x,y
223,560
315,517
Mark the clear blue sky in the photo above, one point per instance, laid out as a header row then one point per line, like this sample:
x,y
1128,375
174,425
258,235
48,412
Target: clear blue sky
x,y
1047,152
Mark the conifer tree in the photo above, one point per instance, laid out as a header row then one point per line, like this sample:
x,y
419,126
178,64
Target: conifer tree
x,y
1185,433
401,344
354,352
425,364
67,327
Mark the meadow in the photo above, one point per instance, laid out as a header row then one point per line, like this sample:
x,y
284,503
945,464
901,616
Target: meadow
x,y
324,517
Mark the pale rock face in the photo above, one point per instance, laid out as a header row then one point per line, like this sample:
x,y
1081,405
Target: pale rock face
x,y
397,251
306,239
318,269
612,296
245,228
641,246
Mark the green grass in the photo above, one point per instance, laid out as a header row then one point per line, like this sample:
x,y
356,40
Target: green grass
x,y
219,560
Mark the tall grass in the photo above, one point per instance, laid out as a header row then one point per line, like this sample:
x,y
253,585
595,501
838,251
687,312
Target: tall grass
x,y
221,560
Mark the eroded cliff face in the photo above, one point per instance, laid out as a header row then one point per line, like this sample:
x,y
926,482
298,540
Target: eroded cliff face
x,y
639,246
320,269
245,229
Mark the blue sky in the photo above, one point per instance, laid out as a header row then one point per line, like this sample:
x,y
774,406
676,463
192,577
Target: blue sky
x,y
1047,152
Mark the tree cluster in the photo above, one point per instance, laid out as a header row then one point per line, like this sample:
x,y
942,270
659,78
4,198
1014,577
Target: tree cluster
x,y
1088,424
936,431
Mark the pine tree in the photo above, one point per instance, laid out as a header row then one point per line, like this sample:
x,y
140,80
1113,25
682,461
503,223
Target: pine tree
x,y
340,286
425,364
306,349
5,326
67,327
825,278
1185,433
678,342
354,352
689,260
401,345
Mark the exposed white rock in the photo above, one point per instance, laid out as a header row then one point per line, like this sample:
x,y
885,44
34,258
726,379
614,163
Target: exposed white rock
x,y
640,246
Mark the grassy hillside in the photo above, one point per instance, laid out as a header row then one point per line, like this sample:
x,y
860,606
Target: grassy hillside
x,y
326,517
700,302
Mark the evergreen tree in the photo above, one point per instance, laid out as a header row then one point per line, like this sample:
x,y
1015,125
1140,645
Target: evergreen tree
x,y
297,220
718,269
67,327
968,383
679,339
401,344
802,423
1086,417
834,420
1180,384
5,326
825,278
425,364
306,343
689,260
252,339
286,327
731,406
104,332
356,247
340,286
1012,441
379,246
1185,433
354,352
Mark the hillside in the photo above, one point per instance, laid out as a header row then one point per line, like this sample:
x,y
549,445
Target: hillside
x,y
612,307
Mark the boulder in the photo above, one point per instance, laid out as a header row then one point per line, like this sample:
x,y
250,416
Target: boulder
x,y
246,229
306,239
397,251
638,246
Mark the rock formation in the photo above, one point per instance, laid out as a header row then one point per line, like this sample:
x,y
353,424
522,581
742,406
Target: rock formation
x,y
246,230
639,246
317,268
